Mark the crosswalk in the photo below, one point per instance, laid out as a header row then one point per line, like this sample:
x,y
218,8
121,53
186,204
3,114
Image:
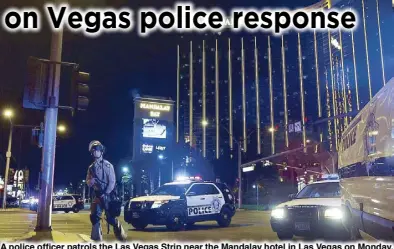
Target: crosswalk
x,y
16,224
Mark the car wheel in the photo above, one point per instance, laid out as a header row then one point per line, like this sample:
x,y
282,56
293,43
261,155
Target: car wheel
x,y
67,211
176,222
224,219
139,225
285,235
75,209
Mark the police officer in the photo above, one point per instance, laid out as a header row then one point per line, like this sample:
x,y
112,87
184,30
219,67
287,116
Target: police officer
x,y
101,176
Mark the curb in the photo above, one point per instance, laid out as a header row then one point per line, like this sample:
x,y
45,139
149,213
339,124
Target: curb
x,y
16,210
52,236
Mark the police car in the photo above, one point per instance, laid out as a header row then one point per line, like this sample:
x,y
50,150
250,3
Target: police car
x,y
314,212
65,203
185,201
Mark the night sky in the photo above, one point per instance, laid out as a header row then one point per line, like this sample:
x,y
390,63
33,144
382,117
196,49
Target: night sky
x,y
119,64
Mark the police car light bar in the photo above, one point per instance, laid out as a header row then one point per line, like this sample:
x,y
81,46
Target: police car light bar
x,y
330,177
191,178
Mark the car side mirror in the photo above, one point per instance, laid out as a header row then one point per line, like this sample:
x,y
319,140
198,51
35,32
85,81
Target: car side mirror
x,y
183,196
292,196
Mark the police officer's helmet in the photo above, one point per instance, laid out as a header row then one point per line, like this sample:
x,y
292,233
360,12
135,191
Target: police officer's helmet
x,y
96,145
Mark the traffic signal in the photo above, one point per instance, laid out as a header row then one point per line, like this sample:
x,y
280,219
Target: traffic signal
x,y
80,90
37,136
35,94
11,174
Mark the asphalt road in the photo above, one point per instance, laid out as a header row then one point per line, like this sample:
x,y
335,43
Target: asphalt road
x,y
246,225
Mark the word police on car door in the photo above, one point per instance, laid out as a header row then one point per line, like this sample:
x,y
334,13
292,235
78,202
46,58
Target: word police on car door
x,y
200,210
204,199
62,202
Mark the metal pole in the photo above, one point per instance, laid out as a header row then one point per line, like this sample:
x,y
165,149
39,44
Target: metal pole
x,y
239,176
257,196
88,194
48,151
172,170
159,175
123,190
7,167
83,192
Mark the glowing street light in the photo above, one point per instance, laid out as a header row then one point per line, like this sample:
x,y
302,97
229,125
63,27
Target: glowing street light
x,y
125,170
8,113
204,123
61,128
271,129
161,157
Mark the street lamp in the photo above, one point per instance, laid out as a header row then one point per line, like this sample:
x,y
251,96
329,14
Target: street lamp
x,y
204,123
257,194
271,129
161,157
61,128
8,113
125,170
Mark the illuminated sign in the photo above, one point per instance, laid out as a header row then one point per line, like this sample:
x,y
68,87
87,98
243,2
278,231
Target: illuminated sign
x,y
155,107
147,148
152,128
248,169
154,114
161,148
18,175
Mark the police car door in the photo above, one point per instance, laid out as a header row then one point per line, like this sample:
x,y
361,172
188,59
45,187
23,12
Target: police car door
x,y
68,201
203,199
57,202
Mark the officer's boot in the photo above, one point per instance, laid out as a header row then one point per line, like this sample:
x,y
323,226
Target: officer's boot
x,y
119,232
97,233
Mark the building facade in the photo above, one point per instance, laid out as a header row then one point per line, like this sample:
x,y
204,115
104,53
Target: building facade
x,y
268,92
153,139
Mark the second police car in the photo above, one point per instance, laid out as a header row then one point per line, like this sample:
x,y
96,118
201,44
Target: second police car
x,y
314,212
64,203
185,201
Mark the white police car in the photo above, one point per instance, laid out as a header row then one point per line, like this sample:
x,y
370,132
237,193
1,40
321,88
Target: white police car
x,y
182,202
314,212
65,203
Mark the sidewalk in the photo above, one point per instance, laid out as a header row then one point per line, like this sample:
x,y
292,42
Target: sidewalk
x,y
18,225
16,210
52,236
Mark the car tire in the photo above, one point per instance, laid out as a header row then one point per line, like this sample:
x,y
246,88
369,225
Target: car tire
x,y
176,222
224,219
138,225
285,235
75,209
67,211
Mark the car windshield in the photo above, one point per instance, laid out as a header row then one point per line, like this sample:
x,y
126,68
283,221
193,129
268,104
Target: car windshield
x,y
174,190
320,190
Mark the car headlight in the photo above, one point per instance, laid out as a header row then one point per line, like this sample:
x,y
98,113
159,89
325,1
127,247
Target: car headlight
x,y
278,213
33,201
333,213
158,204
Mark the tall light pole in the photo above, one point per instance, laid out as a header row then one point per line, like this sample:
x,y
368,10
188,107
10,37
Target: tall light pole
x,y
239,164
160,157
7,114
44,214
125,171
257,194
